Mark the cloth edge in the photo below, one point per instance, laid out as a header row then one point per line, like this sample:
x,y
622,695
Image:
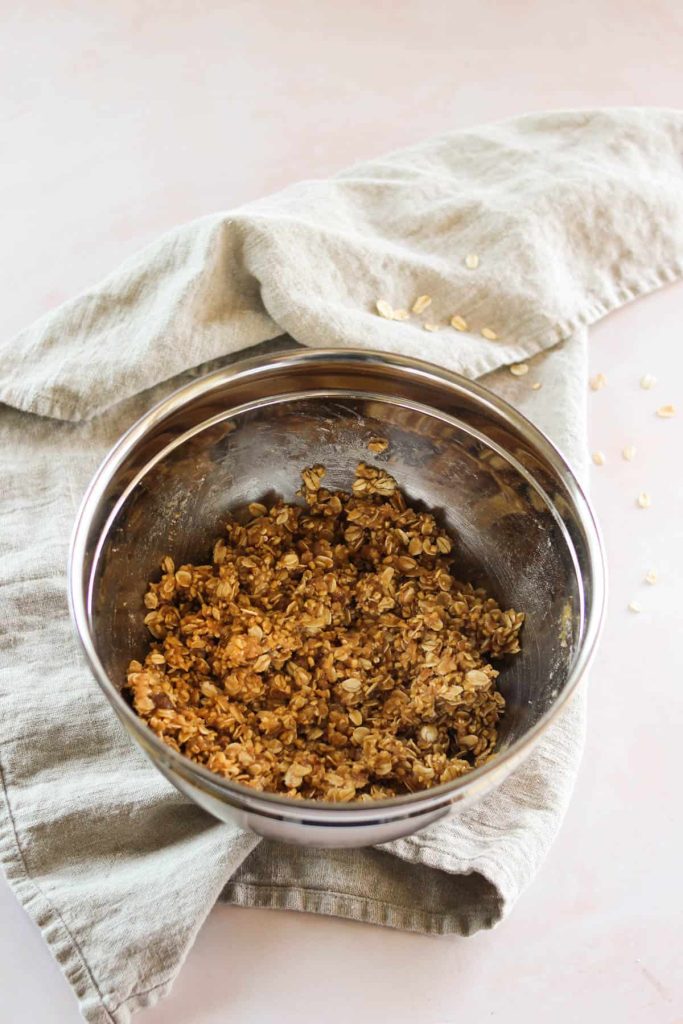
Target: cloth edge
x,y
363,909
59,939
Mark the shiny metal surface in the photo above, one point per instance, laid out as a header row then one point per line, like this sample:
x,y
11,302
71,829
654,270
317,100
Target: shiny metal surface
x,y
524,526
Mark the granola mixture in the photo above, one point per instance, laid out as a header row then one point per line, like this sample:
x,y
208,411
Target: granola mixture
x,y
328,651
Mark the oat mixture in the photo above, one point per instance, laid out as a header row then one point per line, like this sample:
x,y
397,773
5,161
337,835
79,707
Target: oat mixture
x,y
328,651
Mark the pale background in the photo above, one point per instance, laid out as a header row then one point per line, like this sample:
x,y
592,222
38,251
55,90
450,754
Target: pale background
x,y
121,118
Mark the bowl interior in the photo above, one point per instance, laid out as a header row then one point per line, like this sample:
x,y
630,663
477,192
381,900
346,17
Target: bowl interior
x,y
504,510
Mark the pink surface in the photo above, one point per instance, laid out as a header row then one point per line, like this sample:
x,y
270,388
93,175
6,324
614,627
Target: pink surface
x,y
122,119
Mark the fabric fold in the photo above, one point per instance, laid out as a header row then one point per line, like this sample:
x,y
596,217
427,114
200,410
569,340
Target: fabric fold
x,y
570,215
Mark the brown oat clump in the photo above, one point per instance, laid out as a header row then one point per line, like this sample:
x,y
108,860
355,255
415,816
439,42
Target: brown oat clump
x,y
327,651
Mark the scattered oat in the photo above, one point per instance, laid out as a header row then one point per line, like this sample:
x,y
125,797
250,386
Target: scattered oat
x,y
665,412
429,734
644,500
401,314
599,458
476,678
471,261
371,480
634,606
316,657
629,452
459,323
312,478
489,334
648,381
378,444
429,326
384,309
536,386
421,303
519,369
651,577
597,382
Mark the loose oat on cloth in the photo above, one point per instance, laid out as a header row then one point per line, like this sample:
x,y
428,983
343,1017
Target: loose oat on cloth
x,y
520,234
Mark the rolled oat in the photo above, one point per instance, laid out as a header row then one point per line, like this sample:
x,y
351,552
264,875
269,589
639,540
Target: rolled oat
x,y
326,651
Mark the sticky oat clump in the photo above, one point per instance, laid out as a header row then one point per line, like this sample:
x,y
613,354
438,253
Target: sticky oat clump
x,y
328,651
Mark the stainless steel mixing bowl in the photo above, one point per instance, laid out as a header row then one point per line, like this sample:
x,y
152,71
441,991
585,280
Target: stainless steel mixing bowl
x,y
524,526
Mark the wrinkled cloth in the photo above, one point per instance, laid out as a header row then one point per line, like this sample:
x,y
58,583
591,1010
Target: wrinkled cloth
x,y
571,215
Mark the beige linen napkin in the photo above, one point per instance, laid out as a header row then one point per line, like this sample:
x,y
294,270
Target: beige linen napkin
x,y
571,214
